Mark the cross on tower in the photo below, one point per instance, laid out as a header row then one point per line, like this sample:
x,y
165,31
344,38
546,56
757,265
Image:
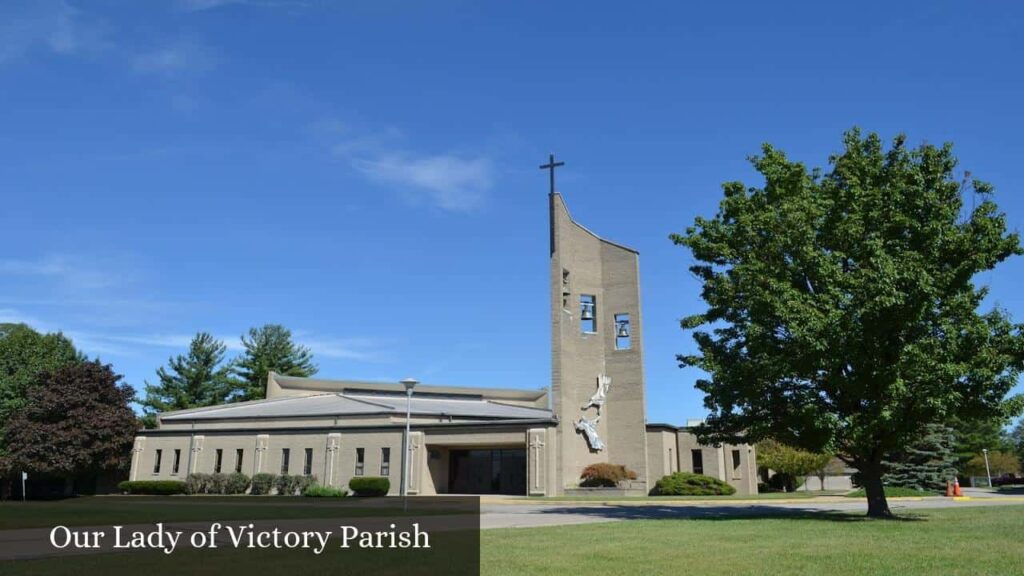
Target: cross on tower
x,y
550,167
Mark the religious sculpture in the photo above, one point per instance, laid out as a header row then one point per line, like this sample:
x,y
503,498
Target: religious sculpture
x,y
588,426
589,429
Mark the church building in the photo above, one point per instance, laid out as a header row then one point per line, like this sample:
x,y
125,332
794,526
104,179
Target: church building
x,y
469,440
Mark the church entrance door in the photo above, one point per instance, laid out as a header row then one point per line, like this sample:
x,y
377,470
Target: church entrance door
x,y
487,471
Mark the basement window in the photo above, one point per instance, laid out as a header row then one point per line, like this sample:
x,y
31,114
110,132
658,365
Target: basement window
x,y
588,314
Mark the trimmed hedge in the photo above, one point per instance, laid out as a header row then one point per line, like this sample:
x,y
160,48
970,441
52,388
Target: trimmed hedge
x,y
262,484
370,485
288,485
605,475
318,491
236,483
153,487
687,484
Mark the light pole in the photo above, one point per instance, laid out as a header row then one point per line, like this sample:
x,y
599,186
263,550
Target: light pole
x,y
409,384
988,472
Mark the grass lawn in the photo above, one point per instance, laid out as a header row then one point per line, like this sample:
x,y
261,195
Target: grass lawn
x,y
895,492
655,499
965,541
109,510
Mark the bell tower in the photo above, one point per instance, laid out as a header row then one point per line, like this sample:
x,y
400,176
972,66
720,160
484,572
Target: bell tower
x,y
597,375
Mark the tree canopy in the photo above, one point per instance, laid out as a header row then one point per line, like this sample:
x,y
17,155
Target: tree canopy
x,y
842,313
76,421
269,348
200,378
789,462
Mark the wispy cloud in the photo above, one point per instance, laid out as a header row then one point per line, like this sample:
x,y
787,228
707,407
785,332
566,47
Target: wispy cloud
x,y
450,181
201,5
183,56
71,272
51,26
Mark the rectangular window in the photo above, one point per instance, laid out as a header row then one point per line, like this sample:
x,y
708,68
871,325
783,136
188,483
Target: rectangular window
x,y
238,459
307,466
698,461
360,460
285,455
736,470
218,461
588,314
177,462
385,462
623,331
156,463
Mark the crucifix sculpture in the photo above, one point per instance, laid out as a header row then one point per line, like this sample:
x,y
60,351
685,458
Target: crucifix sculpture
x,y
550,167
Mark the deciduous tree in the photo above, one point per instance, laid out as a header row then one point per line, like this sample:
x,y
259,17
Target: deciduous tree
x,y
842,310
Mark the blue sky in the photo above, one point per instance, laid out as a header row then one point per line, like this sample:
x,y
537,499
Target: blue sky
x,y
366,172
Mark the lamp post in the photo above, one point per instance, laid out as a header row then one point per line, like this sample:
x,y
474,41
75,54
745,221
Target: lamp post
x,y
409,384
988,471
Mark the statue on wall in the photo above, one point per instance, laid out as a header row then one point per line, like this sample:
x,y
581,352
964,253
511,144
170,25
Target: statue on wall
x,y
589,429
588,426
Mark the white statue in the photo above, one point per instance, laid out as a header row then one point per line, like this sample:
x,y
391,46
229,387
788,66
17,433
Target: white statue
x,y
589,429
601,396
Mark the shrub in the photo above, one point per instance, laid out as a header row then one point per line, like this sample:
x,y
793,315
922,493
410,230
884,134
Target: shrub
x,y
370,485
303,482
318,491
687,484
292,485
263,483
605,475
215,483
153,487
236,483
197,483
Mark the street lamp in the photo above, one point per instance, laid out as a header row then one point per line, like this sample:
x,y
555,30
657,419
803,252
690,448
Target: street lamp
x,y
987,470
409,384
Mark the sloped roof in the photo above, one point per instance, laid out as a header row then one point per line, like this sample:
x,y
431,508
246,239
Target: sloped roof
x,y
359,404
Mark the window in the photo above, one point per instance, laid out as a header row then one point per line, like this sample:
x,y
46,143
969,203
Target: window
x,y
698,461
177,462
156,463
385,462
736,471
359,461
307,465
588,313
218,461
238,459
623,341
285,455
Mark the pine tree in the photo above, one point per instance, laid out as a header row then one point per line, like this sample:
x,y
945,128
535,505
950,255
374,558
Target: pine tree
x,y
201,378
269,348
926,464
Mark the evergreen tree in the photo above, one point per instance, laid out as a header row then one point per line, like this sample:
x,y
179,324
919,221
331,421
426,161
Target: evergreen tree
x,y
201,378
269,348
926,464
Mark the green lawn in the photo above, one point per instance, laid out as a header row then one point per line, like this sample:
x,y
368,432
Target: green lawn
x,y
969,541
104,510
895,492
654,499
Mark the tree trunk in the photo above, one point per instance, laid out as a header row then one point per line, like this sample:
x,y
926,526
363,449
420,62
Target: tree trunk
x,y
878,507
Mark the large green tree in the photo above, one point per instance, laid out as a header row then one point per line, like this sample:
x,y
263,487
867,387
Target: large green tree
x,y
842,312
269,348
199,378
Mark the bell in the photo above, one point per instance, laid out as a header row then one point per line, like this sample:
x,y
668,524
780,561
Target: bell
x,y
588,312
623,331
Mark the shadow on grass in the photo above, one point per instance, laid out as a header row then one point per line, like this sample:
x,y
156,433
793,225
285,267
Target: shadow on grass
x,y
1015,490
755,512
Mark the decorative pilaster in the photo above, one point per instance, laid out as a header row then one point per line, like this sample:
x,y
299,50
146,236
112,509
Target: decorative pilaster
x,y
536,441
417,456
197,450
333,446
262,440
140,446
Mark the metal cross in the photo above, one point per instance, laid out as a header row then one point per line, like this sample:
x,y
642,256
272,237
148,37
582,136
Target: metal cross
x,y
550,167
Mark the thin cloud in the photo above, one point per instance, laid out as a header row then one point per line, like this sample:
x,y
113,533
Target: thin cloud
x,y
202,5
51,26
70,271
184,56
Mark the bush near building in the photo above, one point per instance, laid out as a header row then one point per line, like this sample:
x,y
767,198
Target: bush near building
x,y
370,486
288,485
687,484
605,475
263,483
318,491
153,487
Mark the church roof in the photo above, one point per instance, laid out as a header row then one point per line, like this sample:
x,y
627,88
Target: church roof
x,y
347,404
